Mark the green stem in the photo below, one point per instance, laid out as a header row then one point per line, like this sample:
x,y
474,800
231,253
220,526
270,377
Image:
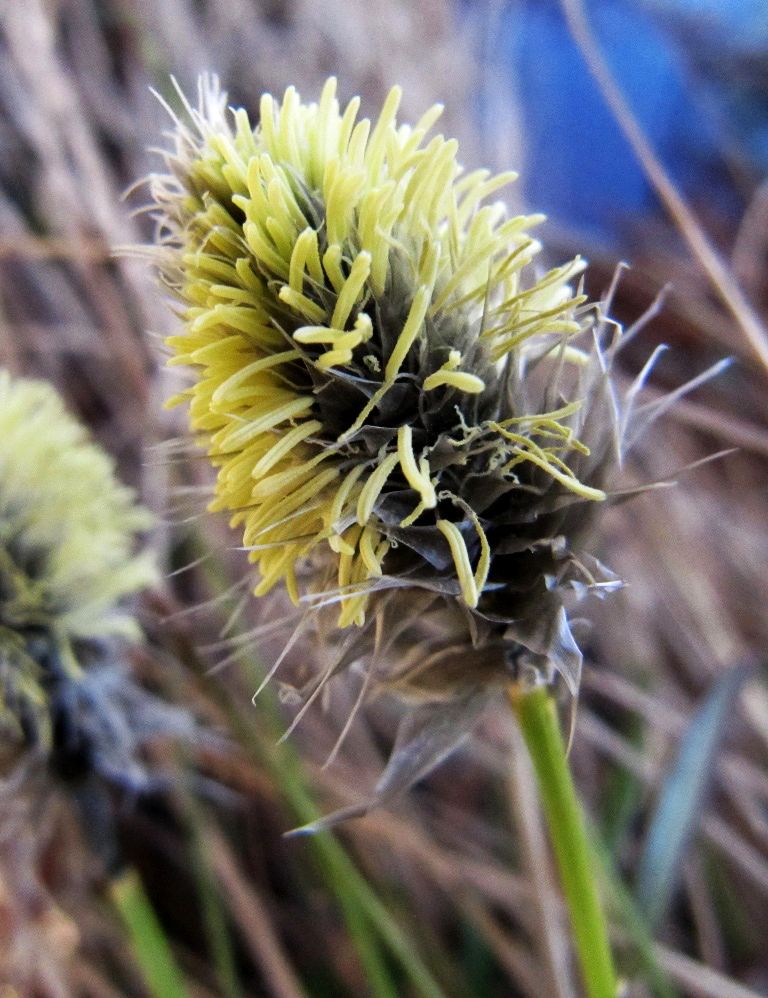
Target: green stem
x,y
536,712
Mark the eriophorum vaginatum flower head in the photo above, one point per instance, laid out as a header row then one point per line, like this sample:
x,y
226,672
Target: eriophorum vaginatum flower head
x,y
409,419
68,532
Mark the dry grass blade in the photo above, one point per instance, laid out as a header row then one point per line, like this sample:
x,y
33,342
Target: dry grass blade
x,y
76,118
253,920
514,957
698,980
710,260
710,938
750,244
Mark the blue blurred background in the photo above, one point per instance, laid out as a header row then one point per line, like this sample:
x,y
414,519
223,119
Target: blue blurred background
x,y
695,73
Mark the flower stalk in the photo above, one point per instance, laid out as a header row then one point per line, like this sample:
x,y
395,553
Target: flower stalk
x,y
537,715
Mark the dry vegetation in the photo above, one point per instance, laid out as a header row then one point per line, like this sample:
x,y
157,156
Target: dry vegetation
x,y
452,891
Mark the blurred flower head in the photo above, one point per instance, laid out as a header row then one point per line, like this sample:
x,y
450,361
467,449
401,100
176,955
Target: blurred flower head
x,y
67,536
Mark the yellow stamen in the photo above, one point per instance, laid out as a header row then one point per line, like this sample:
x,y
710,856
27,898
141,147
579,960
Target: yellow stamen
x,y
353,285
284,445
449,375
461,561
411,329
372,488
414,476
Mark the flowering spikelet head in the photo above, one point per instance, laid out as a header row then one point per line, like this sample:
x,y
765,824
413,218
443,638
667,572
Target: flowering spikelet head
x,y
67,533
380,376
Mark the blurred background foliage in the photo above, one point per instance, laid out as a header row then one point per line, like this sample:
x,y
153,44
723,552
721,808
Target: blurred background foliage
x,y
184,884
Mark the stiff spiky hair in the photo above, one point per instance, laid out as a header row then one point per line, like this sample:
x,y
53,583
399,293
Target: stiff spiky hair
x,y
392,393
67,533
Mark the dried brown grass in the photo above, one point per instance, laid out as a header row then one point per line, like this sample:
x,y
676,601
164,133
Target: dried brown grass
x,y
77,117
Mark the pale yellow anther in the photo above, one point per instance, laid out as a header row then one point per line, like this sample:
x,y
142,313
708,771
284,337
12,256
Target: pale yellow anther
x,y
385,123
351,537
573,355
372,488
449,376
300,303
326,123
364,327
267,120
299,260
339,500
332,266
358,142
334,358
484,562
567,410
337,543
279,508
238,434
263,251
342,343
318,334
353,286
283,205
411,329
411,137
341,195
368,539
529,450
284,481
481,190
470,384
414,475
405,341
287,120
461,561
282,236
430,264
328,101
347,124
413,515
284,445
305,256
235,380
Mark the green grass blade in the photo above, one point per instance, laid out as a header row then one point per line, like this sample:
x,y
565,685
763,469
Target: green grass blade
x,y
622,795
153,952
633,922
353,892
683,797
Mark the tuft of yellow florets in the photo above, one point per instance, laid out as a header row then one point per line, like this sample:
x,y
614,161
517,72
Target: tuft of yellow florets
x,y
359,319
67,537
397,398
